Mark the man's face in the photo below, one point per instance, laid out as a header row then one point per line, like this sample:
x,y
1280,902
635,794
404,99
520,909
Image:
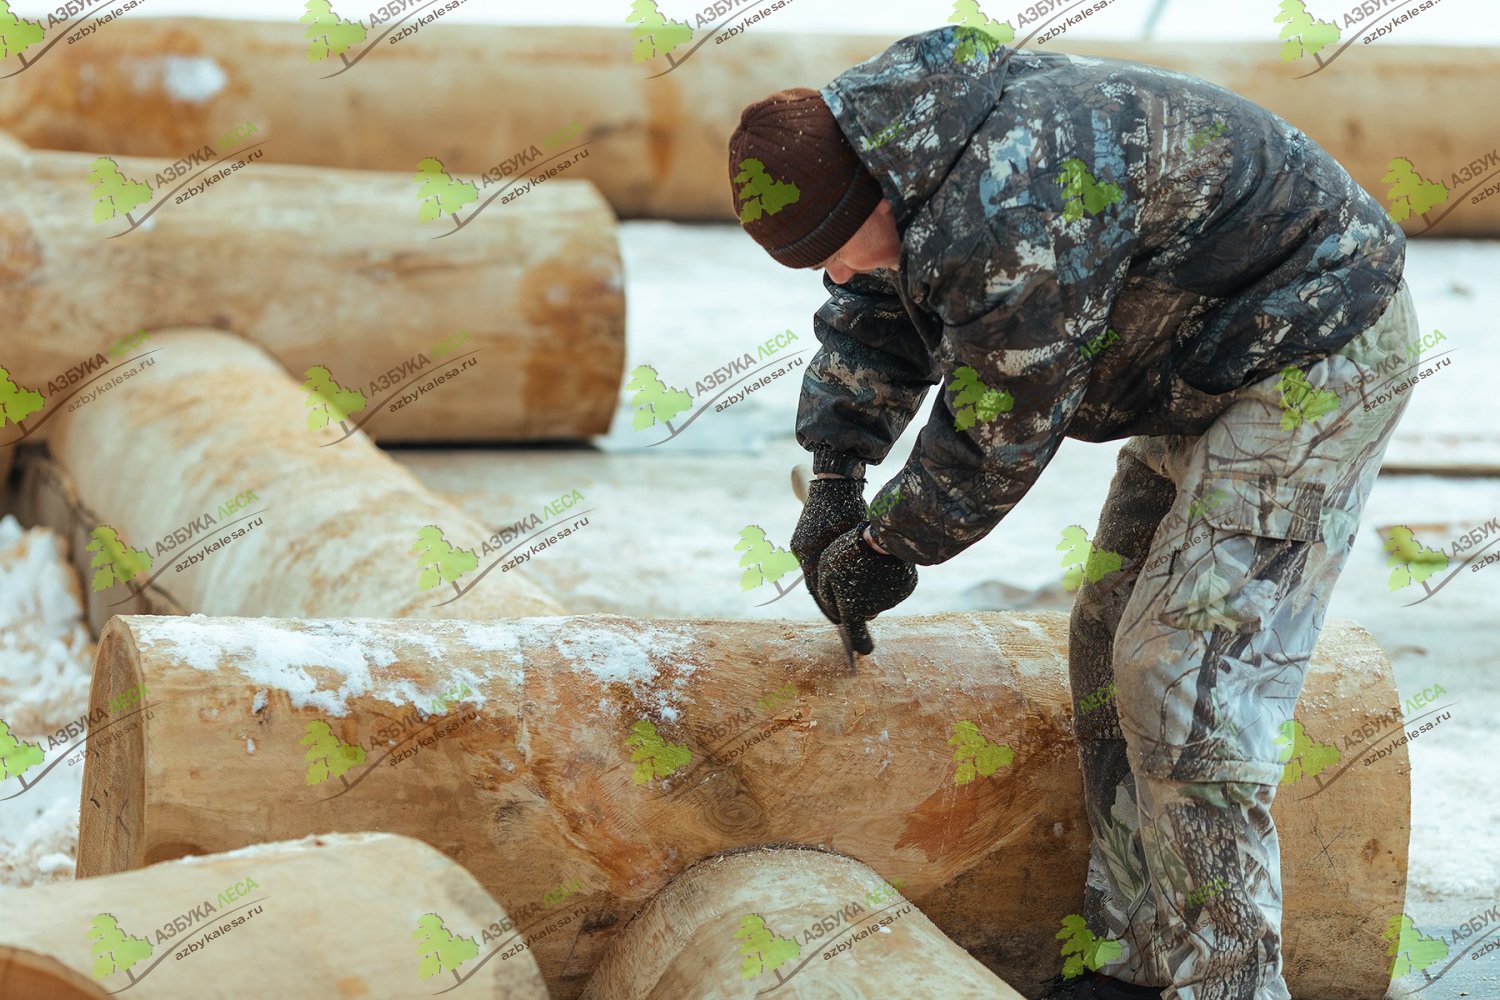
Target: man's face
x,y
875,245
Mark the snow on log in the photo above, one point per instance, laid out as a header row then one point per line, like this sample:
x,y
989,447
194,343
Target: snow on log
x,y
326,269
790,924
599,756
197,485
364,915
656,134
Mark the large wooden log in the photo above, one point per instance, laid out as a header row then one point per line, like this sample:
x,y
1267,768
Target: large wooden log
x,y
211,442
658,144
356,915
326,268
621,751
751,924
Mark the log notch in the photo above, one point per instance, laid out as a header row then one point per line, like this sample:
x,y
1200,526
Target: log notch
x,y
657,144
326,268
328,531
328,916
614,753
751,924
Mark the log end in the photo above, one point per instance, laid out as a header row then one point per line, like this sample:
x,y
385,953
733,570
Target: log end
x,y
789,921
114,789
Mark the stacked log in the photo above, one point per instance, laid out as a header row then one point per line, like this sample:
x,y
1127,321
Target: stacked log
x,y
327,269
360,915
752,924
598,757
198,486
657,140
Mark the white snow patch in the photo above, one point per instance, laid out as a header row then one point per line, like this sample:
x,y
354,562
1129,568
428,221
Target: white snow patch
x,y
46,656
249,745
194,79
349,657
633,657
258,702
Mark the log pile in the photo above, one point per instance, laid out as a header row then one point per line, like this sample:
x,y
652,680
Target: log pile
x,y
657,142
205,463
358,915
607,754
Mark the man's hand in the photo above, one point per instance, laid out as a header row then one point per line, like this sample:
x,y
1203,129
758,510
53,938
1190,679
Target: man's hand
x,y
833,507
855,583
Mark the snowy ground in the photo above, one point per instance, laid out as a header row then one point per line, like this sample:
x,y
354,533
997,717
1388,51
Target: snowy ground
x,y
46,654
661,540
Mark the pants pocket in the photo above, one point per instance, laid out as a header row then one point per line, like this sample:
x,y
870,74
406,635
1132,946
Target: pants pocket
x,y
1258,531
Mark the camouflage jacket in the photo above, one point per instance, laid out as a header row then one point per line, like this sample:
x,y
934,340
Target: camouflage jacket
x,y
1089,248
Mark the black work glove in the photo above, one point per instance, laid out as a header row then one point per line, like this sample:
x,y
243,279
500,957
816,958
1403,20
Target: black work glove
x,y
858,583
833,507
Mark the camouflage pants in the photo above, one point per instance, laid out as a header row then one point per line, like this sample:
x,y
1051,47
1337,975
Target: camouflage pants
x,y
1230,542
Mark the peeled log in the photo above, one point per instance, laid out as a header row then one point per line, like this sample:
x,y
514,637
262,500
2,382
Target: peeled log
x,y
212,419
658,144
686,943
331,268
329,916
785,749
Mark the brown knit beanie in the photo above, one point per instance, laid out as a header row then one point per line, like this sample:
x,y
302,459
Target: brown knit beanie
x,y
799,188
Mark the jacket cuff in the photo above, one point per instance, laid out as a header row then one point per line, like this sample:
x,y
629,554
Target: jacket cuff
x,y
841,462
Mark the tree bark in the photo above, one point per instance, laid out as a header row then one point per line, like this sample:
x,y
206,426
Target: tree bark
x,y
332,268
694,941
623,751
173,452
660,141
326,916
